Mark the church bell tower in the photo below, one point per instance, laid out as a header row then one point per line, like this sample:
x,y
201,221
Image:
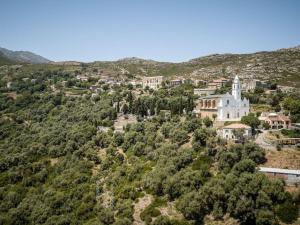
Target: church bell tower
x,y
236,88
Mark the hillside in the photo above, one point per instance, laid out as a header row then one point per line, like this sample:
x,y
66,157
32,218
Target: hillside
x,y
4,60
282,66
69,155
23,56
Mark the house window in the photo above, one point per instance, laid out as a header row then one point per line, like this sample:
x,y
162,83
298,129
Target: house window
x,y
227,102
238,114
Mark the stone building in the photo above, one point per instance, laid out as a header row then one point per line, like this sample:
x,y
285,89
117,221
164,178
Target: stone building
x,y
250,84
152,82
176,82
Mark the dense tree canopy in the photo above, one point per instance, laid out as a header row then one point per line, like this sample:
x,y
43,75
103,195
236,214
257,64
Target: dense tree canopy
x,y
61,162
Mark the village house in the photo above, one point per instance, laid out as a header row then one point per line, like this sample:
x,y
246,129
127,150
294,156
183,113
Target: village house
x,y
290,176
82,78
152,82
197,82
174,83
227,107
285,89
276,121
95,88
204,91
217,84
135,82
230,132
251,84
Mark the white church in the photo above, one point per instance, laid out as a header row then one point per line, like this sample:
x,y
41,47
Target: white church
x,y
227,107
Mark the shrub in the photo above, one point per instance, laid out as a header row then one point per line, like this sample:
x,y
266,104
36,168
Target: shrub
x,y
288,211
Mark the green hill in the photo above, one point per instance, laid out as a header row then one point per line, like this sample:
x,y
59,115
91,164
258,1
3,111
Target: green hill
x,y
23,56
4,60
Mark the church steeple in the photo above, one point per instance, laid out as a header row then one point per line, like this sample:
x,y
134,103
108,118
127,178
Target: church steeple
x,y
236,88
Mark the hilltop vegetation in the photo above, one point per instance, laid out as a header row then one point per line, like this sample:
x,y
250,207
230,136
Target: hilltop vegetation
x,y
282,66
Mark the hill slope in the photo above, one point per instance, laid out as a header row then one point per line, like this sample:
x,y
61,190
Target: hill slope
x,y
23,56
4,60
282,66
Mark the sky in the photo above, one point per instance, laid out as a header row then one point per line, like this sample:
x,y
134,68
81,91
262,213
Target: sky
x,y
163,30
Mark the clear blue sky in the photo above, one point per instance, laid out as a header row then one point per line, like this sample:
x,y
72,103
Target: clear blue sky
x,y
165,30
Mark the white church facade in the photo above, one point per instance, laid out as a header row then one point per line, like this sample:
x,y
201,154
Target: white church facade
x,y
227,107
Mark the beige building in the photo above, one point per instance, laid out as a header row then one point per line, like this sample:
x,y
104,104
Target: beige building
x,y
207,106
276,121
217,84
153,82
176,82
82,78
252,84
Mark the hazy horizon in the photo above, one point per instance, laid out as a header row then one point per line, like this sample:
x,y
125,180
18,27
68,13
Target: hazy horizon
x,y
170,31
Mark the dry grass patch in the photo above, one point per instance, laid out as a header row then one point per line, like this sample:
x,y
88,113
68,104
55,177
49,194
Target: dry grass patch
x,y
227,220
171,211
53,161
285,159
12,94
139,207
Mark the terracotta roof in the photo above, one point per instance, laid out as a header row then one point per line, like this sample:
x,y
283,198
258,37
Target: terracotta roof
x,y
219,81
237,126
278,118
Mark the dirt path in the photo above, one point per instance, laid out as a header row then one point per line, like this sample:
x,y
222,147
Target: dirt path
x,y
261,141
139,207
171,211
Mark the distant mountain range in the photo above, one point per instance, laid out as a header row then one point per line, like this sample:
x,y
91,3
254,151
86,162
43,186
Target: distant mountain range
x,y
281,66
14,57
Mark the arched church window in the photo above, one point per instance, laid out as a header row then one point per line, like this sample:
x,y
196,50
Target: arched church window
x,y
228,115
227,102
